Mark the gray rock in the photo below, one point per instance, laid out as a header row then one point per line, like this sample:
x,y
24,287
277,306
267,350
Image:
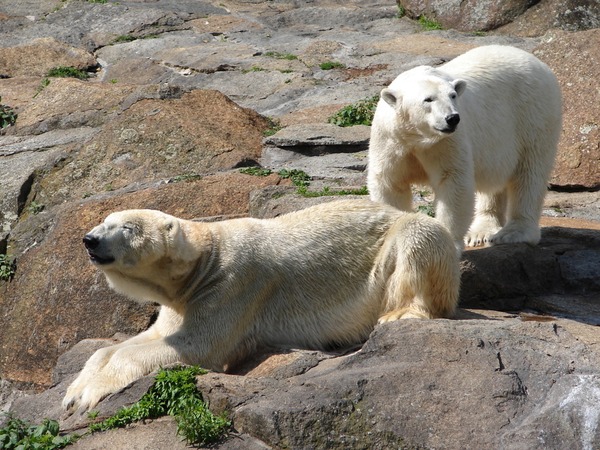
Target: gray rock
x,y
436,384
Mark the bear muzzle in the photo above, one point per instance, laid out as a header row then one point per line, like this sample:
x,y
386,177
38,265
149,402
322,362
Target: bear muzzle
x,y
92,243
452,121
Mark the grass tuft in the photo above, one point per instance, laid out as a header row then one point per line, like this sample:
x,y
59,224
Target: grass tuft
x,y
8,116
429,24
18,434
173,393
67,72
359,113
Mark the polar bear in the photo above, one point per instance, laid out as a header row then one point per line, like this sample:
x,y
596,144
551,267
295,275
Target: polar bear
x,y
319,278
482,131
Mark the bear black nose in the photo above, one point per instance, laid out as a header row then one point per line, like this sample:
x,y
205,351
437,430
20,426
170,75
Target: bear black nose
x,y
452,119
90,241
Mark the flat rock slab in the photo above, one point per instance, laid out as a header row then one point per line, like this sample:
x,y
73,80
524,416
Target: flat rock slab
x,y
436,383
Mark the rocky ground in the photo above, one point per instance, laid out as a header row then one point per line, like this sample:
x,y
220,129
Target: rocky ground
x,y
181,95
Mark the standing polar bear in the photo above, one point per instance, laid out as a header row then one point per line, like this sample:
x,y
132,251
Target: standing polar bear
x,y
487,122
317,278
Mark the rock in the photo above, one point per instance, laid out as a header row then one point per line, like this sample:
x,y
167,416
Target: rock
x,y
575,58
37,57
341,151
568,15
463,16
507,383
152,140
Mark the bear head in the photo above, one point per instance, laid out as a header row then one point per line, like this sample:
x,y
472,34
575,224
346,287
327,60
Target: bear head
x,y
144,254
131,238
424,101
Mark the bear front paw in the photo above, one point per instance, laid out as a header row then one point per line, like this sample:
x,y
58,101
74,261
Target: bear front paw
x,y
85,394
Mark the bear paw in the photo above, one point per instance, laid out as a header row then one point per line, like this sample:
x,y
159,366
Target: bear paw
x,y
404,313
514,233
478,239
84,394
482,230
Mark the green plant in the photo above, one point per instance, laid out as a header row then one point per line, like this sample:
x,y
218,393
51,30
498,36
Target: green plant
x,y
327,192
92,415
359,113
187,177
427,209
401,11
253,69
328,65
299,178
8,116
67,72
274,127
20,435
8,267
97,1
277,55
429,24
35,208
124,38
174,393
256,171
43,84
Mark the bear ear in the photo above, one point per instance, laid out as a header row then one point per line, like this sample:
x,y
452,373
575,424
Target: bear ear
x,y
389,97
459,86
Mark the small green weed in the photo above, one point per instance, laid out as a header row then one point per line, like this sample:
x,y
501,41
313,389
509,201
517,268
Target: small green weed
x,y
277,55
97,1
328,65
359,113
173,393
124,38
327,192
429,24
43,85
8,267
427,209
299,178
20,435
274,127
8,116
253,69
35,208
256,171
401,12
67,72
186,177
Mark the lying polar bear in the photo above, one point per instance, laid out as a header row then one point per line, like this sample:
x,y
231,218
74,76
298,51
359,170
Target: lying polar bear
x,y
317,279
482,130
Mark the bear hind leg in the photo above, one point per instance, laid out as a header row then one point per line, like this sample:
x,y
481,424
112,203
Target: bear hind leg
x,y
422,291
525,202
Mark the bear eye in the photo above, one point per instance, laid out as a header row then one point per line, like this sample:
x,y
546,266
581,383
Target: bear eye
x,y
453,95
128,227
428,99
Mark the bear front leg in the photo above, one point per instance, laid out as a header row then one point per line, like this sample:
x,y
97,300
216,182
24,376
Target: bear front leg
x,y
455,202
384,189
112,368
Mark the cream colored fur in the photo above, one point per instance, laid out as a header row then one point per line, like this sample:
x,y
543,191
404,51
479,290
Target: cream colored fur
x,y
316,279
488,173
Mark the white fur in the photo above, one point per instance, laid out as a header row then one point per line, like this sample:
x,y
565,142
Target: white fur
x,y
494,167
317,278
